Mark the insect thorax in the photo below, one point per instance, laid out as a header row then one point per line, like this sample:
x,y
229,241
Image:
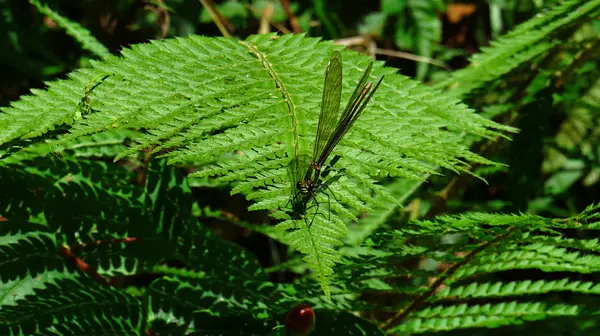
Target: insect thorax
x,y
305,186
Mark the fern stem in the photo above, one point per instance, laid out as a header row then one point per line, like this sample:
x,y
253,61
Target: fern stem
x,y
285,94
416,303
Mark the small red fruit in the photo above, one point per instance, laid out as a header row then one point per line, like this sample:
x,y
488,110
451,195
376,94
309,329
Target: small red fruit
x,y
300,320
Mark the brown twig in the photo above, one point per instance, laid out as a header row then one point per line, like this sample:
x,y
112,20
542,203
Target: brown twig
x,y
82,265
364,41
229,215
412,57
265,18
109,241
162,13
394,321
373,50
141,178
281,28
352,41
293,20
277,25
216,17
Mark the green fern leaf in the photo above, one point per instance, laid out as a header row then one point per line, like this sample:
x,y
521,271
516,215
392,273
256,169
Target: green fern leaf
x,y
204,251
27,250
242,109
514,288
476,249
84,308
545,258
490,315
178,297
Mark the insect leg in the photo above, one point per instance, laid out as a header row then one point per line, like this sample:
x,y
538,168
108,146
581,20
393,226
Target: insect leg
x,y
328,205
326,186
316,211
329,167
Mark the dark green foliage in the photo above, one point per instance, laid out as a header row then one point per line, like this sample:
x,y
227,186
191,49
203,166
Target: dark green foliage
x,y
526,158
83,307
35,245
335,323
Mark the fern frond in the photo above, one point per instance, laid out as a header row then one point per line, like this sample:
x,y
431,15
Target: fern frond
x,y
586,245
177,302
217,257
526,42
79,33
516,288
84,306
26,250
99,145
250,106
225,108
489,315
179,297
318,243
475,250
12,291
535,256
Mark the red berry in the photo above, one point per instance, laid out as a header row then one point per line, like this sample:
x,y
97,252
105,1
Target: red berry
x,y
300,320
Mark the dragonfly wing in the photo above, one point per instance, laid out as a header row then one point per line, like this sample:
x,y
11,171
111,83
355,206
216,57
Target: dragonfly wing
x,y
354,109
330,104
358,91
358,101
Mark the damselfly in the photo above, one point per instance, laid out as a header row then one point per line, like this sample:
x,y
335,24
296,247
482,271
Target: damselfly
x,y
307,174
